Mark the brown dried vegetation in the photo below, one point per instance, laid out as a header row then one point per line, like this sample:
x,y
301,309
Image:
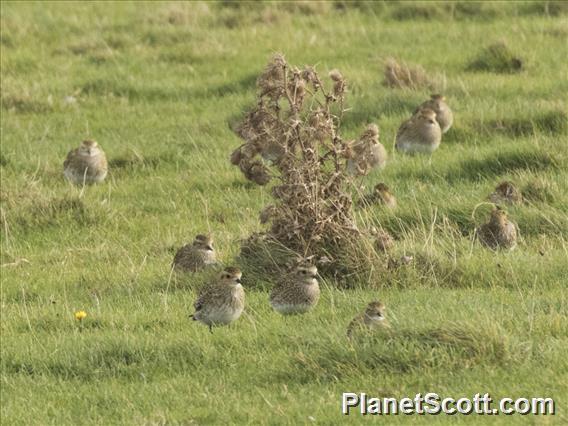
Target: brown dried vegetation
x,y
400,75
292,138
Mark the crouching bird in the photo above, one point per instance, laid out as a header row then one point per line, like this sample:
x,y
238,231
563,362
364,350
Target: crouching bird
x,y
371,319
298,292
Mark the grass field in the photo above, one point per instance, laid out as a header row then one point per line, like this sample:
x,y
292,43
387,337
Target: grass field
x,y
159,85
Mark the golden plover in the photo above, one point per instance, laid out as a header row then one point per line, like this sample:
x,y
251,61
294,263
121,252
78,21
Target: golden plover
x,y
499,232
506,192
383,195
86,164
383,240
444,115
222,301
366,153
297,292
372,318
195,256
419,134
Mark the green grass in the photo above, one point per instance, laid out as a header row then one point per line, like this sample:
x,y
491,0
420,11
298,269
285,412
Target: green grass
x,y
158,86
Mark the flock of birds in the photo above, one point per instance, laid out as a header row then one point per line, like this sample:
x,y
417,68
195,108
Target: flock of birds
x,y
222,301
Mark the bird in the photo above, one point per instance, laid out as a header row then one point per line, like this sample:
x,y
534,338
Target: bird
x,y
371,319
383,240
297,292
267,213
86,164
222,301
366,153
195,256
419,134
444,115
381,195
506,192
498,232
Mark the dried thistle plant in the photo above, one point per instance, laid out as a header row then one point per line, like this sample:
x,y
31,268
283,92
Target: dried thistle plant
x,y
292,138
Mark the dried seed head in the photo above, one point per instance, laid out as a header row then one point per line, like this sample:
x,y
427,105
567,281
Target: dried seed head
x,y
249,150
335,75
309,75
256,172
271,81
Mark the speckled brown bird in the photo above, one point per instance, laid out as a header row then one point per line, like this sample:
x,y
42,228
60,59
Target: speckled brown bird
x,y
366,153
498,232
86,165
267,213
297,292
506,192
195,256
419,134
371,319
383,240
222,301
444,115
382,195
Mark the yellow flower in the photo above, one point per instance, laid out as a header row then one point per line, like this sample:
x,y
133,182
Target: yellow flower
x,y
79,315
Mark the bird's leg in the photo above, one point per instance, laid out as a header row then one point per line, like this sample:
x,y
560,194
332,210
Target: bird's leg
x,y
210,329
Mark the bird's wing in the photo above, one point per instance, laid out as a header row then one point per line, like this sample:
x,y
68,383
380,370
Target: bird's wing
x,y
204,294
69,158
404,127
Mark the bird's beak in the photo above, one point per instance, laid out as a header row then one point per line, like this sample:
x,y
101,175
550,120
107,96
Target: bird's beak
x,y
210,248
238,280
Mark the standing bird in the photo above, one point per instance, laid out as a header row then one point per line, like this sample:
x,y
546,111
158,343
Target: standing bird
x,y
86,164
298,292
366,153
444,115
421,133
195,256
506,192
499,232
221,302
372,318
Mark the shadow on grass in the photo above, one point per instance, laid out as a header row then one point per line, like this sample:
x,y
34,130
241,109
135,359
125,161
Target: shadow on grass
x,y
104,87
475,170
114,359
550,122
453,347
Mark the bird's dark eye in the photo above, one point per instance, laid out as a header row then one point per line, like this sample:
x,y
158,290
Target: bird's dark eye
x,y
304,272
431,121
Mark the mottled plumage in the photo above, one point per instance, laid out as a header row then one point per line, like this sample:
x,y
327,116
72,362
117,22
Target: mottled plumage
x,y
297,292
195,256
267,213
366,153
86,164
419,134
222,301
506,192
372,318
444,115
499,232
383,241
382,195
